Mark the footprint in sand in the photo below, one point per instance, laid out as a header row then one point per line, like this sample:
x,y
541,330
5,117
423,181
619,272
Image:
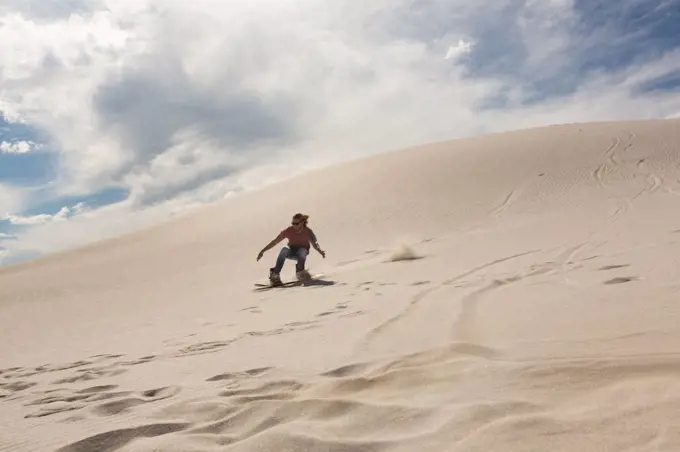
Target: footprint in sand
x,y
250,373
131,400
60,400
202,348
13,390
217,346
97,372
57,408
274,332
302,325
288,328
621,280
96,389
353,314
340,307
22,372
116,402
612,267
274,390
105,356
10,371
420,283
90,374
347,371
142,360
17,386
366,285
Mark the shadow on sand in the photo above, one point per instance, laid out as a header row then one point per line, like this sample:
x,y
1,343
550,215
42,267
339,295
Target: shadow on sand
x,y
287,285
316,282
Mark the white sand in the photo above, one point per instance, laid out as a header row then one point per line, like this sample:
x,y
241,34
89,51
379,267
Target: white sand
x,y
539,311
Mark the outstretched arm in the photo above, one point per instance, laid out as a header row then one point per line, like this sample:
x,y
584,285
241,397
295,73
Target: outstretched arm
x,y
316,246
269,246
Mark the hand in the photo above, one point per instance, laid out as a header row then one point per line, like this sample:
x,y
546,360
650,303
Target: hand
x,y
259,255
323,253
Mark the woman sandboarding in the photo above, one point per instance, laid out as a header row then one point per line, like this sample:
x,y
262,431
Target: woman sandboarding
x,y
300,238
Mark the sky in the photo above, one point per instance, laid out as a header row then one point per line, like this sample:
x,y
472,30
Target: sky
x,y
116,114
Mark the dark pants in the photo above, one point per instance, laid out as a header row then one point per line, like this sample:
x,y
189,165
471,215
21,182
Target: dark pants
x,y
291,252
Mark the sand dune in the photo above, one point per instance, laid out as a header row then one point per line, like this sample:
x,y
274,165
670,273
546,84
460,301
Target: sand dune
x,y
512,292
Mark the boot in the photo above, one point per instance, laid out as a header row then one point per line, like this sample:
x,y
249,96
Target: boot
x,y
303,275
274,278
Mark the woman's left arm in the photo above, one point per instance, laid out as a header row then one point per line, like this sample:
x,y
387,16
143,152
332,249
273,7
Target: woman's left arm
x,y
315,244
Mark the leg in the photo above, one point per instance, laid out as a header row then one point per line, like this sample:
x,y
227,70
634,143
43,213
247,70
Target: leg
x,y
301,255
280,260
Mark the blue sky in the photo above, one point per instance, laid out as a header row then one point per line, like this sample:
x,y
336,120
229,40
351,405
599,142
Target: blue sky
x,y
24,168
116,114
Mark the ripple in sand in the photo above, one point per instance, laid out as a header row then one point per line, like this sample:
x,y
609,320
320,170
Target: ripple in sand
x,y
115,439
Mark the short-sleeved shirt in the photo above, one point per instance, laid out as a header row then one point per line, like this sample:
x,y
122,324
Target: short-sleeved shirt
x,y
300,239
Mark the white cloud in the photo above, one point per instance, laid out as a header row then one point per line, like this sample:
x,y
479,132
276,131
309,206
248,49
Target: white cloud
x,y
11,198
68,229
35,219
17,147
63,213
172,99
461,48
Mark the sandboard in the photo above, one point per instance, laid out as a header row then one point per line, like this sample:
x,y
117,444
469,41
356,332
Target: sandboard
x,y
284,284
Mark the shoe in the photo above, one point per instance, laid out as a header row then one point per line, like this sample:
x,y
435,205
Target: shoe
x,y
303,275
274,277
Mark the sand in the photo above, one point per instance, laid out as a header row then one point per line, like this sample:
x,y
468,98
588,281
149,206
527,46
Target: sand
x,y
511,292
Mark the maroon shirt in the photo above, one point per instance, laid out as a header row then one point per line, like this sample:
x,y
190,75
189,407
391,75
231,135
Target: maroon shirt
x,y
303,238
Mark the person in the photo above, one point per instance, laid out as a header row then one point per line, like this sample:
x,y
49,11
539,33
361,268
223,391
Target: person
x,y
300,236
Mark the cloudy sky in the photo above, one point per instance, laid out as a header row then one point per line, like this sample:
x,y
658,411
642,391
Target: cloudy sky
x,y
117,113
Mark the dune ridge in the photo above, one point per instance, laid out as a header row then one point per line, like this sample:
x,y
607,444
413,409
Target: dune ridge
x,y
515,291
